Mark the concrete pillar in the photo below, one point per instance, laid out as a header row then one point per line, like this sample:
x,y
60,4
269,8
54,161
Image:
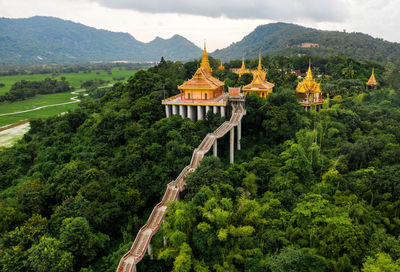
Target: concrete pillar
x,y
223,111
215,109
190,112
182,111
231,146
174,109
215,148
150,251
168,110
239,135
200,113
207,109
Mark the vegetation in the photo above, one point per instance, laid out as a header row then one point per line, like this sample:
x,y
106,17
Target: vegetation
x,y
311,191
287,39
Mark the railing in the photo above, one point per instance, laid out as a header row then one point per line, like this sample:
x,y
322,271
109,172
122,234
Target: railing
x,y
143,237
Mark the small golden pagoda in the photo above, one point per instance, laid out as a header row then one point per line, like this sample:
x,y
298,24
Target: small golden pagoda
x,y
372,81
221,67
242,70
259,85
309,92
202,86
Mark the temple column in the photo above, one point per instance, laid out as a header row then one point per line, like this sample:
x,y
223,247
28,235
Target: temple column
x,y
223,111
182,112
215,148
215,109
207,109
168,110
174,109
190,113
232,145
239,135
200,113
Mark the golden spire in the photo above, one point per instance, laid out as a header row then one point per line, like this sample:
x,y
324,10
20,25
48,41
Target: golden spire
x,y
243,66
309,73
372,80
205,64
259,62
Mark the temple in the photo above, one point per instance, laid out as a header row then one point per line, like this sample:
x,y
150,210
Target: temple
x,y
221,67
372,84
308,92
259,85
197,96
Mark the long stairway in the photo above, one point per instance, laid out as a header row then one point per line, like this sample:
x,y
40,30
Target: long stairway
x,y
138,249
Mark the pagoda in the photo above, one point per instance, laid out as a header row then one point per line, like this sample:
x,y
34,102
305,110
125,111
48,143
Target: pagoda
x,y
221,67
309,92
372,81
242,70
198,95
259,85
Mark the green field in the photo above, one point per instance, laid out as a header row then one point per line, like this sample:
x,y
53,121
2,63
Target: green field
x,y
74,79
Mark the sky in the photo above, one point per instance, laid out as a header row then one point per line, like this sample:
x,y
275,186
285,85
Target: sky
x,y
219,22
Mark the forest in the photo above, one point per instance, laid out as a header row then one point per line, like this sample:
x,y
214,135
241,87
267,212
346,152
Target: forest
x,y
309,191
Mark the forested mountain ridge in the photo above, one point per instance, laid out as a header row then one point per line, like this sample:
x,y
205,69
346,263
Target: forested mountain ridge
x,y
291,39
310,191
52,40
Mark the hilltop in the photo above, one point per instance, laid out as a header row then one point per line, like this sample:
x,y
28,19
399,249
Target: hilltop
x,y
292,40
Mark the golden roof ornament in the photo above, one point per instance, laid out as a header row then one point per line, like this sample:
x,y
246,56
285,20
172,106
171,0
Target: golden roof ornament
x,y
372,80
205,63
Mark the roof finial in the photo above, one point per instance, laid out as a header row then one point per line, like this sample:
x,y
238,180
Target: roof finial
x,y
205,45
309,73
259,61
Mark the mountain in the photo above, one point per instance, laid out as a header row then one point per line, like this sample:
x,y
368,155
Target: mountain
x,y
291,39
52,40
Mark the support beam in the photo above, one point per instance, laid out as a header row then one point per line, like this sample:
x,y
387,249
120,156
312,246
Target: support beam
x,y
215,148
174,109
223,111
168,110
232,146
215,109
200,113
182,111
239,135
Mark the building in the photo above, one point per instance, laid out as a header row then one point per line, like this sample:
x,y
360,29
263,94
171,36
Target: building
x,y
242,70
372,84
221,67
198,95
259,85
309,92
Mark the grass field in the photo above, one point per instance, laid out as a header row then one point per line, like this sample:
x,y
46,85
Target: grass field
x,y
74,79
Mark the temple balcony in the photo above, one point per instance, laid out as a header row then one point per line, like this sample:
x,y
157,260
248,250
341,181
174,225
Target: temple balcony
x,y
178,99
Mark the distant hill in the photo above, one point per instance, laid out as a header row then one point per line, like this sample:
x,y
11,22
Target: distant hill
x,y
291,39
52,40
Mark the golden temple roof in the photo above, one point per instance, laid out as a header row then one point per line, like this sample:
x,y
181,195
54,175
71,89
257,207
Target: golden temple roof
x,y
308,85
202,79
259,81
372,80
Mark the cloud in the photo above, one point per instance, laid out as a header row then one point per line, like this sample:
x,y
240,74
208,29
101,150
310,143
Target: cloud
x,y
284,10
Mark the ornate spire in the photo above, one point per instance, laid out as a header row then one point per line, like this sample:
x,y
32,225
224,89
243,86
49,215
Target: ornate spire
x,y
309,73
243,66
259,62
372,80
205,63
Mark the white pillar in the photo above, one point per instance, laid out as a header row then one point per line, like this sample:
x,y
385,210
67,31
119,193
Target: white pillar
x,y
207,109
182,111
239,135
223,111
215,148
215,109
150,251
174,109
190,112
232,144
200,113
168,110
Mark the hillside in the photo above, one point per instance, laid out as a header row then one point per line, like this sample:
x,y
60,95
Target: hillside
x,y
288,39
52,40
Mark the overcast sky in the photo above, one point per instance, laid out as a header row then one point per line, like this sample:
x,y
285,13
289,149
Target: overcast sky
x,y
219,22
